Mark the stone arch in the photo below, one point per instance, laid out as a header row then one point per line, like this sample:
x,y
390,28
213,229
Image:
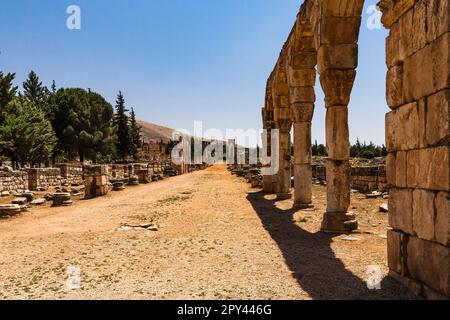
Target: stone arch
x,y
417,128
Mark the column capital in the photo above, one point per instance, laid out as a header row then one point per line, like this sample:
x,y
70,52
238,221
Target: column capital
x,y
302,112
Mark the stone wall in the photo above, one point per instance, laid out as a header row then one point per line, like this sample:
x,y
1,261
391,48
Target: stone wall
x,y
43,178
71,173
13,180
363,179
417,136
116,171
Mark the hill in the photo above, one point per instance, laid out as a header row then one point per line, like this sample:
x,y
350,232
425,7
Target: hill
x,y
154,132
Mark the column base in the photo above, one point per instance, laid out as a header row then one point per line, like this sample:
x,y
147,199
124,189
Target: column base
x,y
338,222
284,196
306,207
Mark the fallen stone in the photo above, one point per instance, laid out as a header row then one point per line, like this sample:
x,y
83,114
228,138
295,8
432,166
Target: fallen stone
x,y
9,210
118,186
5,193
133,181
353,239
384,208
38,202
20,201
373,195
128,227
28,195
62,199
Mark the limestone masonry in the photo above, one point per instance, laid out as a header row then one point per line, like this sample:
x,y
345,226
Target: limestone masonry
x,y
324,41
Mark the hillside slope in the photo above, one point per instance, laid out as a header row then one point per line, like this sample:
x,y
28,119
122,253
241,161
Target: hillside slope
x,y
151,131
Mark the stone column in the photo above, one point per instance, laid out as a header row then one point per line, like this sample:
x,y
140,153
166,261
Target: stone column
x,y
337,48
418,143
301,79
283,122
302,164
283,186
268,180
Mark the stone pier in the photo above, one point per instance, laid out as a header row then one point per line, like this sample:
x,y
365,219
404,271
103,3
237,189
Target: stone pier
x,y
301,79
95,181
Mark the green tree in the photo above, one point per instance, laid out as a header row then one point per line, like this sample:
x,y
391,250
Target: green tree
x,y
7,91
135,136
122,128
34,90
83,125
27,135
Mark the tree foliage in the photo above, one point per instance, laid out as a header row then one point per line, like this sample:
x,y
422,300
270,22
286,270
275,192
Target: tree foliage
x,y
38,124
83,125
123,143
26,135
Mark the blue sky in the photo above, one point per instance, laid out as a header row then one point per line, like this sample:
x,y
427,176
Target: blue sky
x,y
178,61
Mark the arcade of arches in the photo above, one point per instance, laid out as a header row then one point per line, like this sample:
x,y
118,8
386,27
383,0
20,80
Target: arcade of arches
x,y
325,38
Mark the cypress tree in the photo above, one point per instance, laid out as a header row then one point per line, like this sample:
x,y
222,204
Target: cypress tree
x,y
135,136
122,128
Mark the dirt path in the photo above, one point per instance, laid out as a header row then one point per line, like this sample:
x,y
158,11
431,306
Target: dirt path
x,y
217,239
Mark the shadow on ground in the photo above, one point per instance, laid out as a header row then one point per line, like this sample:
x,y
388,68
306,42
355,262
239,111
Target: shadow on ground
x,y
312,261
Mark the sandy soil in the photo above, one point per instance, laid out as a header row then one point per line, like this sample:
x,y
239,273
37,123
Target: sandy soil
x,y
217,239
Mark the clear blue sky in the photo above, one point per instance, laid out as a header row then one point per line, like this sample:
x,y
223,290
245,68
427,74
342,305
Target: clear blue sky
x,y
178,61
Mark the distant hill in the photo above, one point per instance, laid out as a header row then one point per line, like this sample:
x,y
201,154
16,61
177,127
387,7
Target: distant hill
x,y
155,132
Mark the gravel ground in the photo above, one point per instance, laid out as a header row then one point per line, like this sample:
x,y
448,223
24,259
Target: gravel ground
x,y
217,239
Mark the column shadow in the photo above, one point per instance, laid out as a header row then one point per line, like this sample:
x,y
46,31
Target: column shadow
x,y
312,261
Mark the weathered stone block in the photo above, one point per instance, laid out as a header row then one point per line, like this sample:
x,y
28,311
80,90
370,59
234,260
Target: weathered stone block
x,y
403,128
337,133
337,86
302,94
348,30
344,56
400,174
391,169
338,186
442,226
429,263
302,112
401,210
438,118
428,70
395,251
302,77
394,87
429,169
302,143
423,214
333,8
438,21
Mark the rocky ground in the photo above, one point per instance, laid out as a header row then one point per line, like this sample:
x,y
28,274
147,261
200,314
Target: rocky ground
x,y
205,235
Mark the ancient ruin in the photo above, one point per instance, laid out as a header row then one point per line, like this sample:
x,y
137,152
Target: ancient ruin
x,y
325,38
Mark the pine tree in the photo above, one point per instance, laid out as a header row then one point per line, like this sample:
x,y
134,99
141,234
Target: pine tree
x,y
34,90
122,128
83,125
135,136
7,91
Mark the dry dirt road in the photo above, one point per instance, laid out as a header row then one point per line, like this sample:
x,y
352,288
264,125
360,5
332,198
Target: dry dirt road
x,y
217,239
